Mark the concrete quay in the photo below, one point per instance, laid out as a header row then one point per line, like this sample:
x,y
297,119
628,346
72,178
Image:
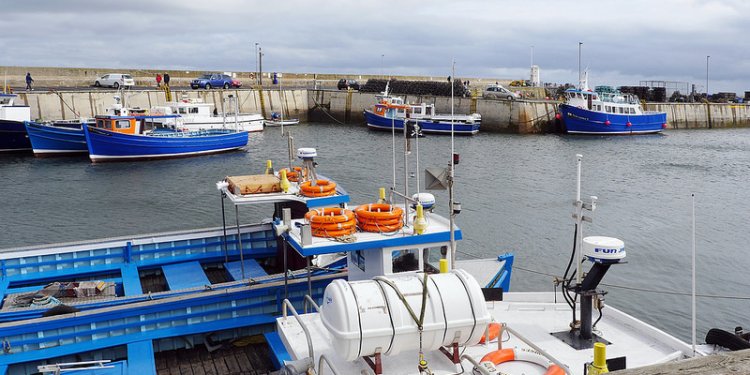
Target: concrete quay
x,y
502,116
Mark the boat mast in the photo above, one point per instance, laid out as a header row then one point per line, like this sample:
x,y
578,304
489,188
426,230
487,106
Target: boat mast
x,y
451,164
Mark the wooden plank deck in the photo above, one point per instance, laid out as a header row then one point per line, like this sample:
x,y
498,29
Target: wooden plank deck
x,y
250,359
733,363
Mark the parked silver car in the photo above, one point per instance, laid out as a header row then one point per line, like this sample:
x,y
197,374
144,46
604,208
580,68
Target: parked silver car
x,y
499,92
115,80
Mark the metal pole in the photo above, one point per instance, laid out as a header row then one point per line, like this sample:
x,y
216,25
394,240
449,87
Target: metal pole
x,y
579,220
451,165
309,280
256,63
224,226
286,272
239,241
707,57
579,65
693,277
260,66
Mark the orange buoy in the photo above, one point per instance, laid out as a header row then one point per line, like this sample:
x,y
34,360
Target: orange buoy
x,y
331,222
379,217
494,329
322,188
293,175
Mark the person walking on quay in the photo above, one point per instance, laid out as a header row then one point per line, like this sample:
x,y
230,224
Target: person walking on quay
x,y
29,81
158,80
166,79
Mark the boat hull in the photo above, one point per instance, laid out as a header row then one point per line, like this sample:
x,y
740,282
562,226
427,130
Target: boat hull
x,y
56,140
13,137
104,145
582,121
378,122
276,123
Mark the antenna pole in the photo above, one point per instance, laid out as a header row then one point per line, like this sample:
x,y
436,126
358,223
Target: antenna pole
x,y
693,278
451,173
579,220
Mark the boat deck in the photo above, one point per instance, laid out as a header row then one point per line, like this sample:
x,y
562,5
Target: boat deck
x,y
535,316
249,358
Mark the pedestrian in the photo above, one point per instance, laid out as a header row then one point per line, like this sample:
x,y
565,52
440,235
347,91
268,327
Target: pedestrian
x,y
158,80
29,81
166,79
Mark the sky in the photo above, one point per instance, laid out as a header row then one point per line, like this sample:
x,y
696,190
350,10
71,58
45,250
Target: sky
x,y
624,42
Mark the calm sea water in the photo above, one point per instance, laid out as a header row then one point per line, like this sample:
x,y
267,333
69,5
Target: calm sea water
x,y
516,193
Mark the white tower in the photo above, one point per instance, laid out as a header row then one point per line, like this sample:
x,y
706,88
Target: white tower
x,y
535,81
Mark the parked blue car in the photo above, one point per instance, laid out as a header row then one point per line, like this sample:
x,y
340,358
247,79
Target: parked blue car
x,y
209,81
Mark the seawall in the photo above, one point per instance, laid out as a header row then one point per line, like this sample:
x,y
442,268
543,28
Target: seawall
x,y
502,116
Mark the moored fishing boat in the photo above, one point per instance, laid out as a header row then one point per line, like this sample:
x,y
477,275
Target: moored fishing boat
x,y
607,112
12,132
390,111
140,137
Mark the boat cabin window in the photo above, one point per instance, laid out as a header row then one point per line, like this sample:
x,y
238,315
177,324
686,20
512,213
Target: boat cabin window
x,y
632,110
182,110
122,124
194,110
101,124
619,109
405,260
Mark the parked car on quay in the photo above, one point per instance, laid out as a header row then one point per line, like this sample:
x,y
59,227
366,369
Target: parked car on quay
x,y
214,80
115,80
499,92
348,84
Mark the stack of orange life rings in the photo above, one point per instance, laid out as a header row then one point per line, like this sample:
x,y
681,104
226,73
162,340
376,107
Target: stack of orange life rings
x,y
294,174
379,217
331,222
322,188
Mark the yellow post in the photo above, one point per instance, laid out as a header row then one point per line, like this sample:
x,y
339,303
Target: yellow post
x,y
381,195
443,265
599,366
269,167
284,181
420,224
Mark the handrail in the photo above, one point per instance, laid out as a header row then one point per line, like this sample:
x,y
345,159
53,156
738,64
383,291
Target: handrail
x,y
537,348
322,359
312,302
474,362
310,351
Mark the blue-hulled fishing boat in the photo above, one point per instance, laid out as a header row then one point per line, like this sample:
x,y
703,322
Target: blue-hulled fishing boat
x,y
12,132
57,139
140,137
390,111
607,112
138,297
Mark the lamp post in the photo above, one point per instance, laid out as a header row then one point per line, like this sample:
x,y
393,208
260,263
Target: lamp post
x,y
260,66
256,62
707,57
579,65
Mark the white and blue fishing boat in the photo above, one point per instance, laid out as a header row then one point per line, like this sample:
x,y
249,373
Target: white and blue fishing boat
x,y
12,132
607,112
141,137
390,111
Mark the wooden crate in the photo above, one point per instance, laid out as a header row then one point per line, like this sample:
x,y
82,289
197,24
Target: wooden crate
x,y
254,184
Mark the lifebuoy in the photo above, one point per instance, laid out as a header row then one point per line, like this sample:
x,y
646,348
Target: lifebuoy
x,y
294,174
322,188
494,329
329,215
379,217
525,355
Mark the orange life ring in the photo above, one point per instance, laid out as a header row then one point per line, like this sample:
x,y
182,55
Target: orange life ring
x,y
364,221
322,188
294,174
378,211
494,329
378,228
329,215
506,355
333,233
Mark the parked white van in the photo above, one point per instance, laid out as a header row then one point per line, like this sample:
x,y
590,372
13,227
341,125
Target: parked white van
x,y
115,80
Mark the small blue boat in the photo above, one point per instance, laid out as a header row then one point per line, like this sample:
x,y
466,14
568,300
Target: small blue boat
x,y
57,138
12,132
139,137
390,111
607,112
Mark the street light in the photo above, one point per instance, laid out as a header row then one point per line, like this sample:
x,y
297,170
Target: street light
x,y
707,57
256,62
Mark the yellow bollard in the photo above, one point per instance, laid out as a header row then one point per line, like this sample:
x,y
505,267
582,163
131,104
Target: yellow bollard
x,y
420,224
269,167
443,265
381,195
599,366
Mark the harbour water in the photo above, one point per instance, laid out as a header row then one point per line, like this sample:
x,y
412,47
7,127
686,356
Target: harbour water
x,y
516,194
